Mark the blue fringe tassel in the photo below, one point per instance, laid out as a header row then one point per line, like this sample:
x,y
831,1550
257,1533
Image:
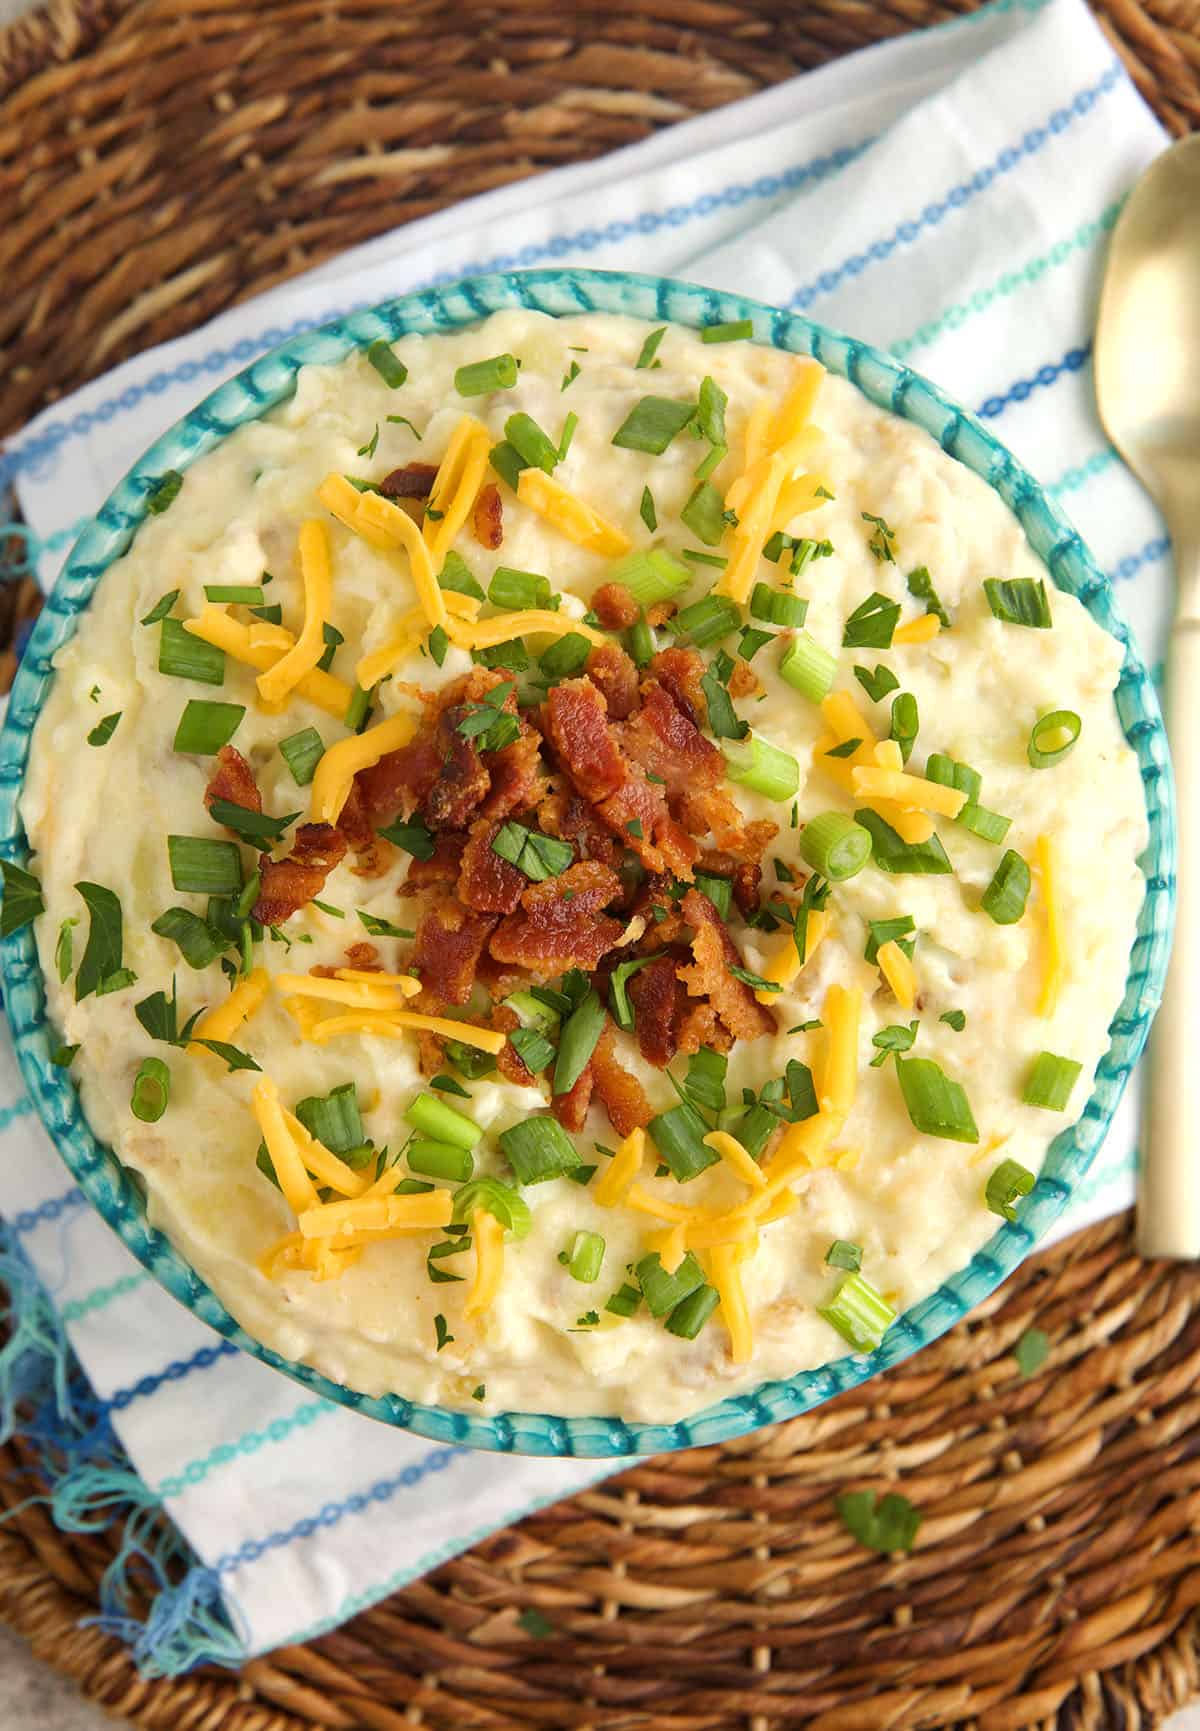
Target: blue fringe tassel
x,y
88,1483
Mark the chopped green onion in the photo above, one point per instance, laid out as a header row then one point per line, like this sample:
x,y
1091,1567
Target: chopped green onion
x,y
835,846
710,411
438,643
906,722
382,928
441,1160
752,640
499,1200
889,1525
891,854
618,992
273,615
568,433
777,607
102,958
704,514
878,684
164,492
512,656
719,891
763,768
64,1056
678,1135
652,423
245,594
571,374
204,867
641,644
920,585
151,1090
872,623
447,1084
1050,1082
413,837
518,590
880,932
539,1149
843,1254
403,421
708,620
469,1061
663,1291
936,1105
734,332
625,1301
859,1312
586,1257
199,943
883,539
651,576
846,749
529,441
441,1123
808,668
956,1019
723,719
565,656
694,557
1005,897
533,1012
650,347
334,1119
1040,751
947,772
716,456
393,372
182,656
441,1332
160,609
333,639
358,710
1019,601
988,825
455,575
507,462
497,374
537,856
801,1091
302,752
646,510
1006,1186
532,1047
104,729
205,727
580,1033
690,1315
256,827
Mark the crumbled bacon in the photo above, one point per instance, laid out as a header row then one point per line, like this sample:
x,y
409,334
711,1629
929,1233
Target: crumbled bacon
x,y
399,783
508,1063
666,743
614,674
619,1092
486,882
289,884
354,820
680,671
638,813
580,734
232,779
450,940
743,681
654,991
487,518
570,818
364,957
615,607
412,481
713,953
560,924
700,1028
442,866
517,779
462,780
571,1108
430,1055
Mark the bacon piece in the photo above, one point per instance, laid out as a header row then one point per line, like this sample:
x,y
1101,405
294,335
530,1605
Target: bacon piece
x,y
354,821
654,991
612,671
713,954
619,1092
412,481
450,940
364,957
571,1108
744,874
442,867
508,1063
638,813
486,882
700,1028
743,681
400,782
289,884
462,780
560,924
570,818
487,517
579,732
615,607
680,671
516,775
431,1056
666,743
233,779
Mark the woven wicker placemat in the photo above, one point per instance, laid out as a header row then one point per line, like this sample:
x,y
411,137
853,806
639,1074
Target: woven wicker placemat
x,y
161,159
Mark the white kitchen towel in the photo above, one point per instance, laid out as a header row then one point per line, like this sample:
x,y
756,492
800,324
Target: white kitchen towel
x,y
946,196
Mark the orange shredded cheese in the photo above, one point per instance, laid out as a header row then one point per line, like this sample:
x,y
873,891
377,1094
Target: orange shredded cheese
x,y
395,1024
214,625
573,518
376,1214
727,1278
335,771
317,576
736,1158
298,1188
912,790
488,1236
486,633
358,994
785,964
621,1170
922,630
1046,857
897,969
225,1019
411,631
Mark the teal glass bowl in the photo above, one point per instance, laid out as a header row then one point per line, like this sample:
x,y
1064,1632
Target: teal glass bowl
x,y
115,1193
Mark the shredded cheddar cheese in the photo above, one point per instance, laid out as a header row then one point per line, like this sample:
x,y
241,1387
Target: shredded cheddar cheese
x,y
411,631
922,630
322,1163
395,1024
842,1010
298,1188
621,1170
458,480
376,1214
317,576
911,790
388,528
795,412
671,1245
897,969
785,964
486,633
214,625
488,1235
736,1158
573,518
1046,856
342,761
358,994
727,1278
223,1022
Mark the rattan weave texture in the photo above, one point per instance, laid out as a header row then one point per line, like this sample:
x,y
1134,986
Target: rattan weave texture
x,y
161,159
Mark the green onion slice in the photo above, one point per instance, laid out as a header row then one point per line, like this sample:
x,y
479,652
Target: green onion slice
x,y
708,620
199,943
650,347
182,656
1005,897
440,1160
906,722
393,372
762,767
518,590
334,1119
859,1312
164,492
663,1291
704,514
245,594
539,1149
872,623
1019,601
738,330
835,846
937,1105
843,1254
901,858
151,1090
808,668
618,991
501,1201
1050,1082
651,576
537,856
302,752
1046,743
529,441
652,423
678,1135
478,377
1006,1186
441,1123
777,606
690,1315
580,1033
585,1258
455,575
205,727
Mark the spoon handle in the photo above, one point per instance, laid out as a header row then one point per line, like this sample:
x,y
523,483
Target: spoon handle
x,y
1169,1182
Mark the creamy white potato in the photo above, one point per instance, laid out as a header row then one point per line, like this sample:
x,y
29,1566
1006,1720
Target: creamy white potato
x,y
913,1203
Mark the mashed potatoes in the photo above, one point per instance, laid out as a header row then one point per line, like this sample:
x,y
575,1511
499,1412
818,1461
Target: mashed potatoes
x,y
867,1096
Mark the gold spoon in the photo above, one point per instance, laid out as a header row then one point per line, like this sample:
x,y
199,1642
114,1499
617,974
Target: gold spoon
x,y
1148,386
